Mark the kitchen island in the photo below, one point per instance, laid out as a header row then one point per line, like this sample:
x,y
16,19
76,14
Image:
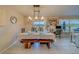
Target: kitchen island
x,y
29,38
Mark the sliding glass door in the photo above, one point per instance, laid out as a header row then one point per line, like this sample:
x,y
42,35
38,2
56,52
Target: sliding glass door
x,y
74,24
64,23
69,25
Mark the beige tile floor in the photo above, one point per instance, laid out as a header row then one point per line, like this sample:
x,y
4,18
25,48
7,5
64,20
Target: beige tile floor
x,y
61,46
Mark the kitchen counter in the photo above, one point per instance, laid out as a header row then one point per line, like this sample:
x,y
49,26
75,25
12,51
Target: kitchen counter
x,y
40,35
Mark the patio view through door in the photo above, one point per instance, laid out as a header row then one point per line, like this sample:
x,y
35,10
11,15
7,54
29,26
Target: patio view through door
x,y
69,26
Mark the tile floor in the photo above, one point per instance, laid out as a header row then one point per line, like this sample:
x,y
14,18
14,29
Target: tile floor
x,y
61,46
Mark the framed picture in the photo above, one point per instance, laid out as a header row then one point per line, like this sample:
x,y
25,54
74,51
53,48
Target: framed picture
x,y
13,19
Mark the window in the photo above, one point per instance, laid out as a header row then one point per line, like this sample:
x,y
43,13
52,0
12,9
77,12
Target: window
x,y
68,25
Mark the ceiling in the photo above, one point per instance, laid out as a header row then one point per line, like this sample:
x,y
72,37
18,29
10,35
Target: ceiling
x,y
48,10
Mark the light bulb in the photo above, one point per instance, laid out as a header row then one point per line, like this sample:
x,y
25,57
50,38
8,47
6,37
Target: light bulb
x,y
42,18
36,17
29,18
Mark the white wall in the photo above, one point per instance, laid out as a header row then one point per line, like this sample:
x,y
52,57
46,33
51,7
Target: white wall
x,y
7,29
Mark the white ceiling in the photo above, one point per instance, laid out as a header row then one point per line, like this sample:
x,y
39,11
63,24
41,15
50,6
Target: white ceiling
x,y
48,10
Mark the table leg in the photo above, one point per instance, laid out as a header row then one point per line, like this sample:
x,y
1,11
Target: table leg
x,y
49,45
27,45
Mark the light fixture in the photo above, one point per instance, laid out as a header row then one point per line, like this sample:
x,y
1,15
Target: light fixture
x,y
29,18
36,13
42,18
